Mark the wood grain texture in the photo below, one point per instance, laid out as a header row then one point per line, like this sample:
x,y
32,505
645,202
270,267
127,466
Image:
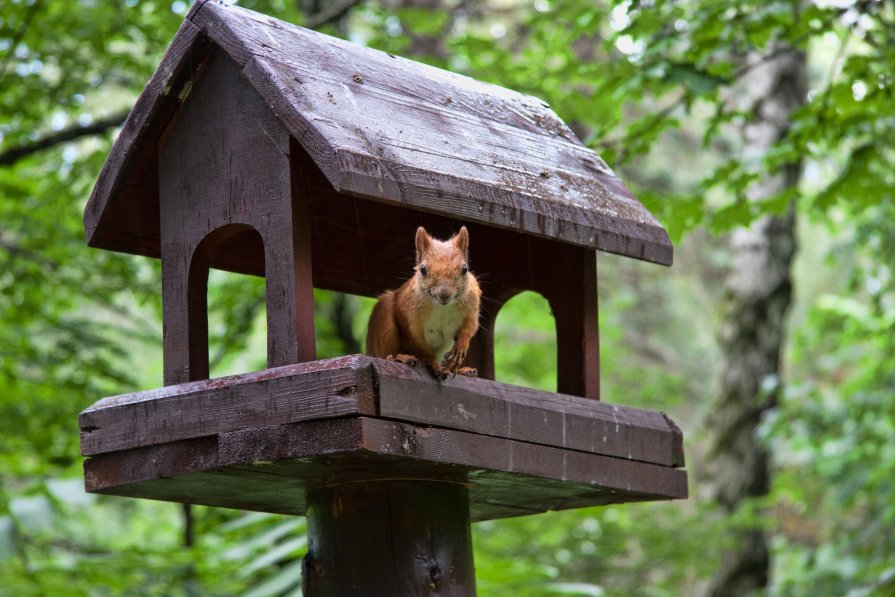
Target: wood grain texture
x,y
389,538
227,175
508,411
504,477
359,385
392,130
322,389
261,441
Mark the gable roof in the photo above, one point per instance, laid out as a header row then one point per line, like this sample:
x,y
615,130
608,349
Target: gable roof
x,y
384,128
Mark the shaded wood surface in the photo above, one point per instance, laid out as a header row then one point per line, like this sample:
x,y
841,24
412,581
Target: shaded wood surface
x,y
227,181
387,129
391,537
281,463
330,388
286,431
360,385
514,412
131,169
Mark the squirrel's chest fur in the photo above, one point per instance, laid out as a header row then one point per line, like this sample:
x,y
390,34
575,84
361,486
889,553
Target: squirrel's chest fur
x,y
440,326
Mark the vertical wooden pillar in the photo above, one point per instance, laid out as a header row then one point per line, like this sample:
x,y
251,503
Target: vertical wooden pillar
x,y
389,538
197,315
297,285
184,311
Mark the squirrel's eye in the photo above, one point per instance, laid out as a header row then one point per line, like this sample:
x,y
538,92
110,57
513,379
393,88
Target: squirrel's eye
x,y
463,270
424,270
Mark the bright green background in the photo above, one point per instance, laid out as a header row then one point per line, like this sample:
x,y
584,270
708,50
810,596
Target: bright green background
x,y
651,86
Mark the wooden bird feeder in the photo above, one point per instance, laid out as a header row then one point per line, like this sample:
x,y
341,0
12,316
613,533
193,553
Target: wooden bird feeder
x,y
263,148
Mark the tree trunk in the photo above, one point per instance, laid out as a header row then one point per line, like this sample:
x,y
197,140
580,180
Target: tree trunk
x,y
758,292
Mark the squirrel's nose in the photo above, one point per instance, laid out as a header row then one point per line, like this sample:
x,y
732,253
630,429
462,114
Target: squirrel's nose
x,y
444,294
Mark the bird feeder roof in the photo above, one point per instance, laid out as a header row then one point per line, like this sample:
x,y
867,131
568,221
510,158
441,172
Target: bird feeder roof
x,y
382,128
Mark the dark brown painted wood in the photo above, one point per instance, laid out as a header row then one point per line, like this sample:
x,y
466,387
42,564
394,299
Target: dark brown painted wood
x,y
284,432
514,412
302,269
358,385
574,308
131,168
321,389
394,537
504,477
227,174
266,149
385,129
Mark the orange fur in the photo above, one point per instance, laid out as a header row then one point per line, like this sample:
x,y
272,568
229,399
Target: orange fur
x,y
433,316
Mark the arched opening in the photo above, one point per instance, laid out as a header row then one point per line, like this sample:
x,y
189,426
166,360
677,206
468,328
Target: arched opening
x,y
525,342
227,303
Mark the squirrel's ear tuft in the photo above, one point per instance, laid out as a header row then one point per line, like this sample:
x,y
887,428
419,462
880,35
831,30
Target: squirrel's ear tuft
x,y
461,240
423,242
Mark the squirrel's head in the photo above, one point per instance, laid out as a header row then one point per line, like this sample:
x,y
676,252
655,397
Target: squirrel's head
x,y
441,266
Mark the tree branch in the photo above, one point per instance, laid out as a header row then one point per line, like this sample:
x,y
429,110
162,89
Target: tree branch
x,y
14,154
19,36
331,14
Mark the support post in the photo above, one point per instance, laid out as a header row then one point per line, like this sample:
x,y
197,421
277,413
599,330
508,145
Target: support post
x,y
575,310
408,537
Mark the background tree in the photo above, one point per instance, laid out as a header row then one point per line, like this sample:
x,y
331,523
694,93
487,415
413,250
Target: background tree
x,y
758,290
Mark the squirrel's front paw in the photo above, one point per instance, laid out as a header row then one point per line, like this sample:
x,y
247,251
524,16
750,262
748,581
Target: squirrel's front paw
x,y
439,371
453,359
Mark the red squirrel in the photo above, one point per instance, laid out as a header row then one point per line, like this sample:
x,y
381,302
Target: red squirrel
x,y
432,317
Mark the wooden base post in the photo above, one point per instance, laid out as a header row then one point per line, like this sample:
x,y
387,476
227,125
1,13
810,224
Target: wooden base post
x,y
389,538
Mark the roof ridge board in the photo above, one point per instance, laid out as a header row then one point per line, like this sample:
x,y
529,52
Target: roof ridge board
x,y
593,162
437,72
430,106
222,20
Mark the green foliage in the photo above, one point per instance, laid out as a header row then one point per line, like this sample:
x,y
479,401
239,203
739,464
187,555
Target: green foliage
x,y
525,348
834,430
652,86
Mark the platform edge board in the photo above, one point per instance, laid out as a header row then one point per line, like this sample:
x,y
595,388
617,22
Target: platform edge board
x,y
538,477
307,391
515,412
357,385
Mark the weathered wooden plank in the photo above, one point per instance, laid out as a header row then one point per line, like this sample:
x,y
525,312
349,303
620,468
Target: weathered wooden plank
x,y
450,446
247,34
393,130
514,412
532,189
307,391
300,277
346,386
280,463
